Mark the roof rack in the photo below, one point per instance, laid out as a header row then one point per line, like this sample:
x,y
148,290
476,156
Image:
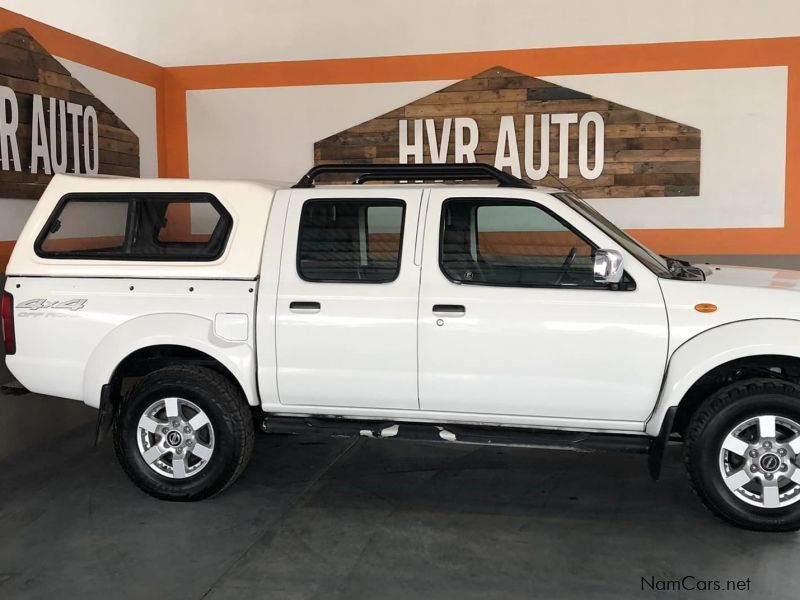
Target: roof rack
x,y
420,172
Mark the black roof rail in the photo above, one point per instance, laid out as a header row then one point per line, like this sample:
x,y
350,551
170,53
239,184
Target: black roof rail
x,y
420,172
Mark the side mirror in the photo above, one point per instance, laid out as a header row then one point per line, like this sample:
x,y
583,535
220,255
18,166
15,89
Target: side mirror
x,y
608,266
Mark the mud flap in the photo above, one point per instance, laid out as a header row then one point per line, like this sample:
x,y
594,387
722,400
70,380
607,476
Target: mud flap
x,y
105,415
659,444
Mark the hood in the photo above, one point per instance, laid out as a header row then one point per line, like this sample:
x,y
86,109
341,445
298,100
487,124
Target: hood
x,y
752,277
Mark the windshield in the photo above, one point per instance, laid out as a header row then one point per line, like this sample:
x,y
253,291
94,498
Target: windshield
x,y
651,260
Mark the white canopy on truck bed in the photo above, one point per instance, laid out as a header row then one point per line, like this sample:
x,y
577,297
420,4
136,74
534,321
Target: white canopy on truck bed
x,y
248,204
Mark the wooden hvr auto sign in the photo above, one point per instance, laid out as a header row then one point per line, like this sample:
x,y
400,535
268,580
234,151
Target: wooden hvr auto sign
x,y
536,130
50,123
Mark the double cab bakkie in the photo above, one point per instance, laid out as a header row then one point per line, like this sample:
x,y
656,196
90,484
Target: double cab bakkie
x,y
451,303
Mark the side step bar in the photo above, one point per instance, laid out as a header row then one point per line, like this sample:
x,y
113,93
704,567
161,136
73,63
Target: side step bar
x,y
463,434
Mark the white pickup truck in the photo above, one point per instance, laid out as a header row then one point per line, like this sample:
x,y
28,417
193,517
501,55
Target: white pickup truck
x,y
190,312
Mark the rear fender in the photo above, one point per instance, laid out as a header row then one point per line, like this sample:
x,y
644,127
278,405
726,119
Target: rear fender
x,y
189,331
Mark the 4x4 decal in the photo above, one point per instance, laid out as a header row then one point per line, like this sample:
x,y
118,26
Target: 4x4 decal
x,y
41,303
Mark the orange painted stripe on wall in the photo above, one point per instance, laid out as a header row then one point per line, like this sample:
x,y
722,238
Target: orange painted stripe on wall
x,y
78,49
627,58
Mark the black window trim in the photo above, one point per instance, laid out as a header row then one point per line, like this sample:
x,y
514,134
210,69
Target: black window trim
x,y
631,283
569,199
366,200
132,198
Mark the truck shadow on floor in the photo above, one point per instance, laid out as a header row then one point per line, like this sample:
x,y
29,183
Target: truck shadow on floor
x,y
479,479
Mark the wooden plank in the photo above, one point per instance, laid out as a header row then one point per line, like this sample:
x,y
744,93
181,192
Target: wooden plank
x,y
555,93
30,87
60,80
617,191
88,100
119,158
677,155
25,191
680,179
24,176
470,96
519,82
16,62
619,168
648,130
117,133
363,152
684,141
121,146
562,106
667,167
108,169
110,119
21,39
17,38
468,85
461,110
623,115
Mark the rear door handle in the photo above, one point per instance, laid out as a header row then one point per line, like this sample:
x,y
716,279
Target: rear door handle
x,y
449,310
306,307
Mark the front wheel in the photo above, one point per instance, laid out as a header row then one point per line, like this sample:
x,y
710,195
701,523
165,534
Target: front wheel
x,y
742,454
183,433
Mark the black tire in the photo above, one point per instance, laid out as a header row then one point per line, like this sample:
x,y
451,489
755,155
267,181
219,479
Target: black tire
x,y
229,415
707,430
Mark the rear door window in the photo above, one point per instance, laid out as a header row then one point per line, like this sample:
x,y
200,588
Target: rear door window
x,y
356,241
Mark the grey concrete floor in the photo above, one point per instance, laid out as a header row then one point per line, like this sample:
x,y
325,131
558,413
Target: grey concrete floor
x,y
29,420
317,517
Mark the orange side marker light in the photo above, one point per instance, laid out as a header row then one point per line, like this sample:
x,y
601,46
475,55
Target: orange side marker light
x,y
705,307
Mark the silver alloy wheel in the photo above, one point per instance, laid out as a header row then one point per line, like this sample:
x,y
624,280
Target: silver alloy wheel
x,y
758,461
175,438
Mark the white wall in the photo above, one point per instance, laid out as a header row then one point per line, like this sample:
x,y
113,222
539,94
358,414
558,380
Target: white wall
x,y
268,133
741,114
13,214
182,32
133,102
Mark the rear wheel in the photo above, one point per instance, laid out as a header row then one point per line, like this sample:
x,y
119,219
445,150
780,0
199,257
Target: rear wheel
x,y
742,454
183,433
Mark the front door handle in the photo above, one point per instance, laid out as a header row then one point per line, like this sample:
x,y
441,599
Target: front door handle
x,y
305,307
449,310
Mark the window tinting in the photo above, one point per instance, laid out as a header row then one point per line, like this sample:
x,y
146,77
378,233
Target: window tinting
x,y
88,227
201,217
157,227
657,264
512,243
350,240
